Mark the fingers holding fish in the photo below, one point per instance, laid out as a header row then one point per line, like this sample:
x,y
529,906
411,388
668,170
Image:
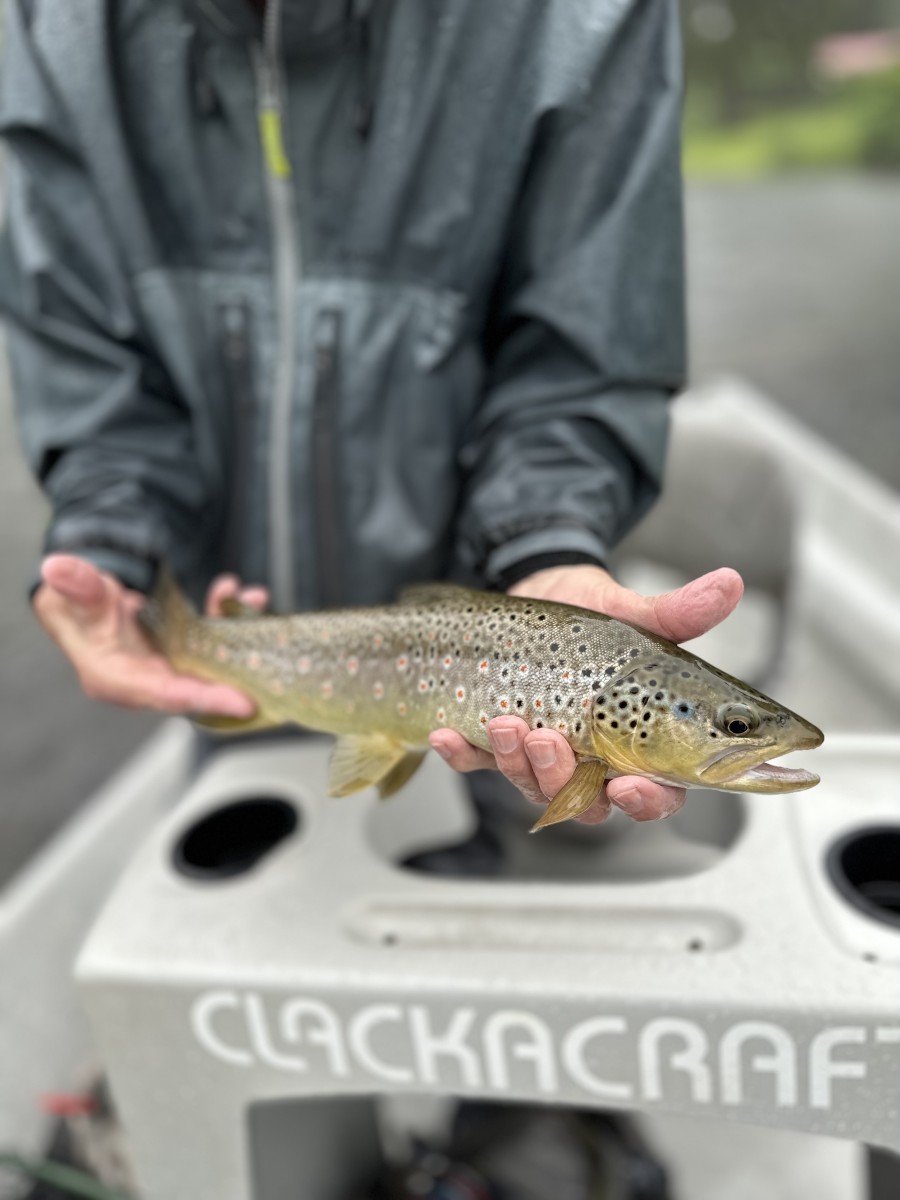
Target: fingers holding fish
x,y
508,740
643,800
459,754
229,587
679,615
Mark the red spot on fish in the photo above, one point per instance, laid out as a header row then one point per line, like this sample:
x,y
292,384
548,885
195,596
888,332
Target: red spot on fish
x,y
352,665
504,703
524,668
377,641
460,694
441,715
402,663
483,718
467,637
567,674
423,685
483,665
378,691
448,661
538,704
586,702
401,709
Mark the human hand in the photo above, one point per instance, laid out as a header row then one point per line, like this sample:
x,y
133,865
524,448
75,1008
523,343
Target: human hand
x,y
92,617
540,761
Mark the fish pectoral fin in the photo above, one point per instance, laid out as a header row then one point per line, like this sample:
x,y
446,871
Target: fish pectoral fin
x,y
576,796
237,610
433,593
401,773
363,760
223,725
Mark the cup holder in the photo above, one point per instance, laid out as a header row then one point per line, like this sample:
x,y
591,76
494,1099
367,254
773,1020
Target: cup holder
x,y
231,840
864,866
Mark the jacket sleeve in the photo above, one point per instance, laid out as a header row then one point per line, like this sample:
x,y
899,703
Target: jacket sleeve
x,y
586,340
100,424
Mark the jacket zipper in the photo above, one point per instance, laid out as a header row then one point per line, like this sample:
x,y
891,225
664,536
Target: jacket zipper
x,y
241,432
286,253
326,479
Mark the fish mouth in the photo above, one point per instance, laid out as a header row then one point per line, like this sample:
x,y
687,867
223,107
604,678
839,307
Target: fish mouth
x,y
731,771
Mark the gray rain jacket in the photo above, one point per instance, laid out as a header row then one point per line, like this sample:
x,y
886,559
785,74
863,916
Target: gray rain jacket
x,y
389,290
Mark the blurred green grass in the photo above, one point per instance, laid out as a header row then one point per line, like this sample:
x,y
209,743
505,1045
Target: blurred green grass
x,y
852,125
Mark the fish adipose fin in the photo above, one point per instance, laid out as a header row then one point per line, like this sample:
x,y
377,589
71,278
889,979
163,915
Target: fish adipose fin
x,y
366,760
576,796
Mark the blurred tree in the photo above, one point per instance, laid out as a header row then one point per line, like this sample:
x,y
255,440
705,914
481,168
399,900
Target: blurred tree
x,y
748,56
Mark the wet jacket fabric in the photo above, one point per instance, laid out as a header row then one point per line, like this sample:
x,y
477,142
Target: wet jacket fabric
x,y
389,290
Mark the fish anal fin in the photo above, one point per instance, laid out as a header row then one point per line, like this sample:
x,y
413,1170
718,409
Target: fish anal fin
x,y
362,760
237,610
576,796
401,773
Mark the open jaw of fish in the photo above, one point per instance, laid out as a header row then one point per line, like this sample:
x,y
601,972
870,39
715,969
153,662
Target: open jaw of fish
x,y
748,770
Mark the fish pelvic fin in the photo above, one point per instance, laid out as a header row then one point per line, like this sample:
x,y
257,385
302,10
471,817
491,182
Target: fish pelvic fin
x,y
214,723
167,614
366,760
576,796
401,773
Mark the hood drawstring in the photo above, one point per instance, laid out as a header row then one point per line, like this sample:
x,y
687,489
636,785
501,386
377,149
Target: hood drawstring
x,y
359,15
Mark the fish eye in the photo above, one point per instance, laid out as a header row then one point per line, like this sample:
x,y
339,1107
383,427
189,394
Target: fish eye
x,y
737,719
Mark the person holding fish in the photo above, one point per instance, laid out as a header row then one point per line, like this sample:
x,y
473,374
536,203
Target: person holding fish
x,y
339,297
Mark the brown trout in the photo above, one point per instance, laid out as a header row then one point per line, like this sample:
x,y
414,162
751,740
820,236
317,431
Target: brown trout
x,y
382,679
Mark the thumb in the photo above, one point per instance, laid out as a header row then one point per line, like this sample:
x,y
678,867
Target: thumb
x,y
89,590
687,612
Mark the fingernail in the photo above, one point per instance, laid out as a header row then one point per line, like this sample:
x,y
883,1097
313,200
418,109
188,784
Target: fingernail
x,y
504,740
443,751
541,752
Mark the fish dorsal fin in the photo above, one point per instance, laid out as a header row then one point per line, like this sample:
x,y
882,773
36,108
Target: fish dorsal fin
x,y
365,760
576,796
237,610
434,593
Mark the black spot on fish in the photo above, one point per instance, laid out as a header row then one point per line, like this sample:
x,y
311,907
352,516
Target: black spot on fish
x,y
558,699
586,671
685,674
582,649
658,696
647,716
578,727
635,652
632,724
623,704
576,629
634,691
614,724
610,671
554,646
571,701
542,616
519,702
596,685
643,733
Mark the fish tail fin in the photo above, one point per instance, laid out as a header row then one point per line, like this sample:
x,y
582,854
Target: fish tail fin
x,y
167,614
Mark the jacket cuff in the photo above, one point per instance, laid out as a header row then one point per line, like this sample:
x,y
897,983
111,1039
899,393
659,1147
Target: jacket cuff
x,y
549,547
130,569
